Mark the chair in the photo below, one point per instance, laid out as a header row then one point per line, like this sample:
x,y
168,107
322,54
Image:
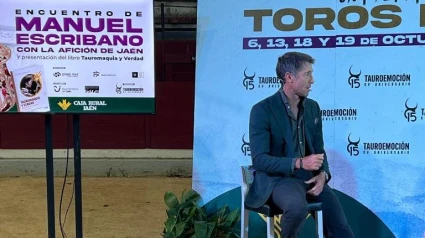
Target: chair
x,y
270,210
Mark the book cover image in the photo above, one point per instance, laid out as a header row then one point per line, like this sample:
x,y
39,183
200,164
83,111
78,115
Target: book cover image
x,y
7,87
31,90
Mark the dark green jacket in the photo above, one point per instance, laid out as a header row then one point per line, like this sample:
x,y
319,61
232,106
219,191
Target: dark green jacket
x,y
272,147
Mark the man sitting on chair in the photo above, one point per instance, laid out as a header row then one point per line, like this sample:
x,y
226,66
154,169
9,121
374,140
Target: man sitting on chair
x,y
287,150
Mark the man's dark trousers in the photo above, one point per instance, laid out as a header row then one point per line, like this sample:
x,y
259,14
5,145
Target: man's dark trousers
x,y
290,195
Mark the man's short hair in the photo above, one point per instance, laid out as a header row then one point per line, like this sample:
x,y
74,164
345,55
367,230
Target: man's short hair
x,y
291,62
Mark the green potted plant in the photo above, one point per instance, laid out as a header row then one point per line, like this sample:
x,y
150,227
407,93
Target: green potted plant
x,y
186,219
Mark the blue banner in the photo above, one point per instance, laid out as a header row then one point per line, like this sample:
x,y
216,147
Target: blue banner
x,y
368,82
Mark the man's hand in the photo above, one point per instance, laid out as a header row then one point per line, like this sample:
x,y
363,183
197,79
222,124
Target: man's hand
x,y
313,162
319,181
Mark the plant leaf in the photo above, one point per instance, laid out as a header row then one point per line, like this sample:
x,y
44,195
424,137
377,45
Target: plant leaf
x,y
171,200
180,228
232,218
210,228
202,213
169,224
191,214
233,235
172,212
201,229
187,219
222,211
190,195
167,235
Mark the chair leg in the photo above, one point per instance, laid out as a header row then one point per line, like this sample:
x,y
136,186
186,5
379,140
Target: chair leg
x,y
270,227
319,223
244,223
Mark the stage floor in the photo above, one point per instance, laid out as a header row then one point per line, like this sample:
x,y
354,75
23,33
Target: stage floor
x,y
112,207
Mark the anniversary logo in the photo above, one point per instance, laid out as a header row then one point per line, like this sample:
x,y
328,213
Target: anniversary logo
x,y
355,80
251,81
393,148
70,42
245,148
413,112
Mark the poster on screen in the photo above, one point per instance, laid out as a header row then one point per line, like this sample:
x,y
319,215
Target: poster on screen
x,y
77,57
